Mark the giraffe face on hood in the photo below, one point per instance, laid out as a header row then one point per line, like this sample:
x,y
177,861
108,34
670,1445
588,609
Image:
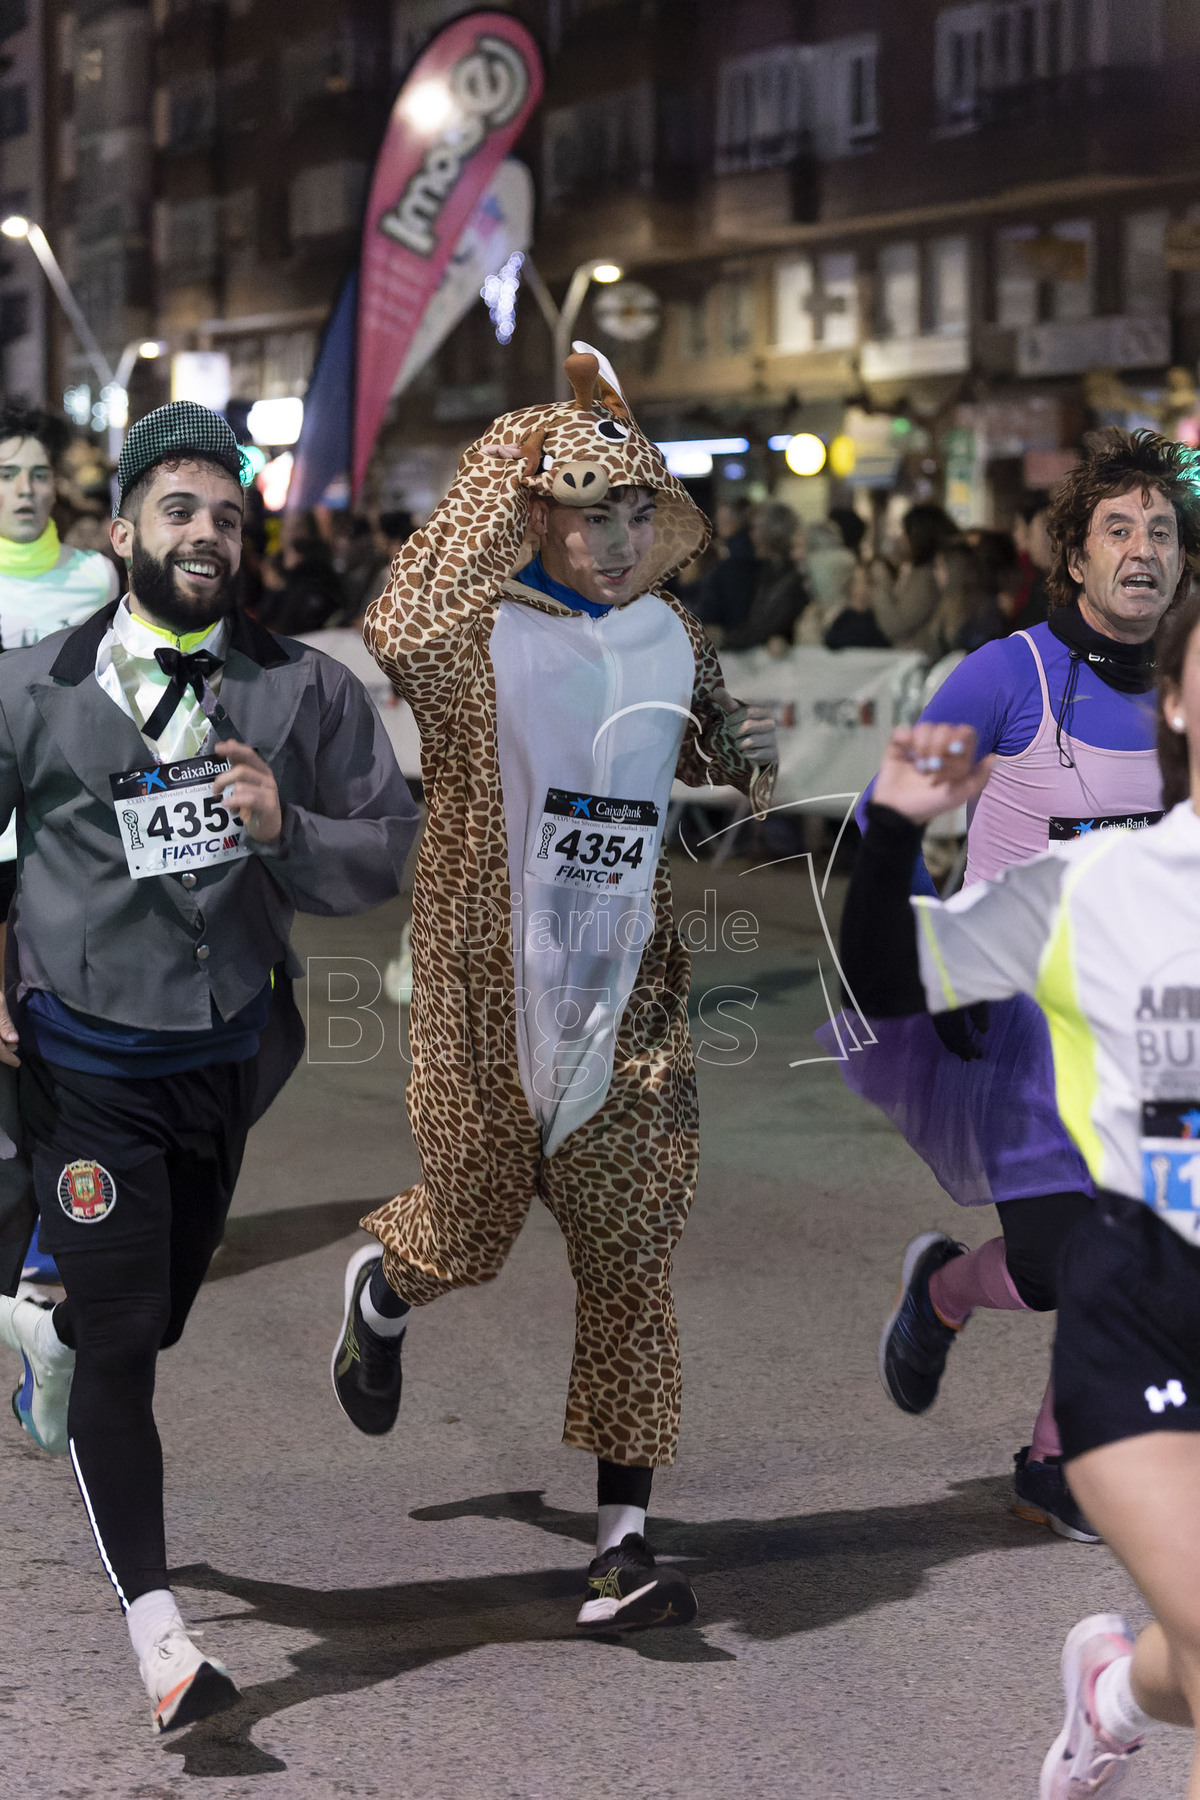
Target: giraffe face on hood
x,y
602,550
565,445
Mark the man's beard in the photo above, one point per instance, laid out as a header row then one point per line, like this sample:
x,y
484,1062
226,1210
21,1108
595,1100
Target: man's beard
x,y
153,581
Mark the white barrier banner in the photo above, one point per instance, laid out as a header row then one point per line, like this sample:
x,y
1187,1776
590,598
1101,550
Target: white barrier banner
x,y
347,647
834,711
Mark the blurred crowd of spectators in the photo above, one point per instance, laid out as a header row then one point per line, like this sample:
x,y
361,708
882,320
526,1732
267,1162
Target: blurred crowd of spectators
x,y
768,579
313,571
771,580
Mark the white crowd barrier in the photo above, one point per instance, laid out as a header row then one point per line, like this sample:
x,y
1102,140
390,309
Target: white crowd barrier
x,y
833,710
347,647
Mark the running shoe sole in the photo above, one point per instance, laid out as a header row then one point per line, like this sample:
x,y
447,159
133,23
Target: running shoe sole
x,y
22,1403
912,1257
664,1600
210,1690
1060,1749
1037,1515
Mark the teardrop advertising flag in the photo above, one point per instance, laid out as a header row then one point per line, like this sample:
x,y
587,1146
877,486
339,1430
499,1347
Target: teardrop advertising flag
x,y
465,102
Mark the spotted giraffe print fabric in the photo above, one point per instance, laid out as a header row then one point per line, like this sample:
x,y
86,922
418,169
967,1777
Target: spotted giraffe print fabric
x,y
621,1184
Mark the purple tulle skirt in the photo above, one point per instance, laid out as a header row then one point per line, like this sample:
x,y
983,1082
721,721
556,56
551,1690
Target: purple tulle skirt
x,y
989,1130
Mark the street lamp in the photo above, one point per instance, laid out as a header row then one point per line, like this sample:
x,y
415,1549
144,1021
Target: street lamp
x,y
114,384
561,320
16,226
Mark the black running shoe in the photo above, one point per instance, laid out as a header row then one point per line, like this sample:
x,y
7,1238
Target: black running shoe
x,y
1044,1498
627,1590
915,1343
366,1368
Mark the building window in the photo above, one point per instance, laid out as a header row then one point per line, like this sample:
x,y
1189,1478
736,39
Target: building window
x,y
735,311
14,17
993,48
774,105
949,285
606,140
795,325
324,62
14,111
693,328
839,301
14,316
1044,274
846,72
327,199
900,291
1072,281
191,112
1017,286
816,303
765,109
188,239
1146,287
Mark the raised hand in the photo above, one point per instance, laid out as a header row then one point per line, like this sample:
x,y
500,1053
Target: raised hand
x,y
930,769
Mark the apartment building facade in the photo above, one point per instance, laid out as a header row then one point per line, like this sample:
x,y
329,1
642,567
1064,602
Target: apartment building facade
x,y
954,231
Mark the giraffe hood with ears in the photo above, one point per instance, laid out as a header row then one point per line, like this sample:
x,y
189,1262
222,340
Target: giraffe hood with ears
x,y
576,452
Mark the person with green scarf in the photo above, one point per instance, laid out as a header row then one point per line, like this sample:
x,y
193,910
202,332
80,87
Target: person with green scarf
x,y
45,586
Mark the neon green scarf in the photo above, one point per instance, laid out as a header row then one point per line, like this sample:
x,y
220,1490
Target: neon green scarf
x,y
30,559
191,640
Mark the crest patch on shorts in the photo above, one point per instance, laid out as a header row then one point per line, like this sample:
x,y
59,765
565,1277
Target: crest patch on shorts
x,y
86,1192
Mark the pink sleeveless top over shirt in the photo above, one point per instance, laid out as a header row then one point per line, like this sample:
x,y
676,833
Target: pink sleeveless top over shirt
x,y
1011,819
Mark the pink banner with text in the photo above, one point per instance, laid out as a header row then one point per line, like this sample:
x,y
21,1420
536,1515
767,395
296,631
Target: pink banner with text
x,y
465,102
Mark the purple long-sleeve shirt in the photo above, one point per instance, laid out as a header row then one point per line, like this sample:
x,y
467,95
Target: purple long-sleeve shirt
x,y
996,690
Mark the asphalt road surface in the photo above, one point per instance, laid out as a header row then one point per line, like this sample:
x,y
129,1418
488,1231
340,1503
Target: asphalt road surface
x,y
874,1623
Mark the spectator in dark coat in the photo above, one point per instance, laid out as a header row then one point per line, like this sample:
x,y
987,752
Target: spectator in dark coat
x,y
856,627
780,590
725,592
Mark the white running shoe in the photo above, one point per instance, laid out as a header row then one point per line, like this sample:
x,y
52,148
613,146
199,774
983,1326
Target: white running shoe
x,y
1082,1760
40,1401
183,1684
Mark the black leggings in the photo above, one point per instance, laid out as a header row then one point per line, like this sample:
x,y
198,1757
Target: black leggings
x,y
1035,1232
132,1274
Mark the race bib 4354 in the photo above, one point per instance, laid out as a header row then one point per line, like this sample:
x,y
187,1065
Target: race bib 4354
x,y
594,841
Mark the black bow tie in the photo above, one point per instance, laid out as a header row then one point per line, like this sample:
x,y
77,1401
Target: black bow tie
x,y
186,670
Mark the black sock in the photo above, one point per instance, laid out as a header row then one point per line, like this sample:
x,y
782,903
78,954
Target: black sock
x,y
384,1298
62,1326
618,1485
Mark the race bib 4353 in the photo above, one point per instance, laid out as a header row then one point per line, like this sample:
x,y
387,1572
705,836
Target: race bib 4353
x,y
171,821
594,841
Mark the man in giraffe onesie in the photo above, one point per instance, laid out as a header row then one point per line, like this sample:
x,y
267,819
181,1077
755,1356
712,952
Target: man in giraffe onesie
x,y
558,692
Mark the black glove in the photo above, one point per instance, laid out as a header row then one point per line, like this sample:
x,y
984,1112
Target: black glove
x,y
960,1031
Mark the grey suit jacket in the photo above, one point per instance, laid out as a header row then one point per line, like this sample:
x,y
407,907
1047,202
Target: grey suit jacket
x,y
126,950
121,949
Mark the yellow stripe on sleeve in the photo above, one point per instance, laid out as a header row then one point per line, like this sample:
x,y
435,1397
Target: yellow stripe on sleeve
x,y
1072,1041
925,914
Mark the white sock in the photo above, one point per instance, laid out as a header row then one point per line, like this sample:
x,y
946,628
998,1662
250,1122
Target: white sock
x,y
382,1326
1117,1712
49,1343
148,1617
616,1522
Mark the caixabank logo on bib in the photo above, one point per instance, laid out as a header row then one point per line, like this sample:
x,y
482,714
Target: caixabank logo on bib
x,y
86,1192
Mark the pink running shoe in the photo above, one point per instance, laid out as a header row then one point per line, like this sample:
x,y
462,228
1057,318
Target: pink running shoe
x,y
1082,1760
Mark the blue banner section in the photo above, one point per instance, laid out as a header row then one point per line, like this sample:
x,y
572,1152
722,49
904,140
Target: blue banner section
x,y
323,450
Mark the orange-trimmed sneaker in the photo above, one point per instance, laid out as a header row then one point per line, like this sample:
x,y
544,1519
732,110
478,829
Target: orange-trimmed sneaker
x,y
183,1684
